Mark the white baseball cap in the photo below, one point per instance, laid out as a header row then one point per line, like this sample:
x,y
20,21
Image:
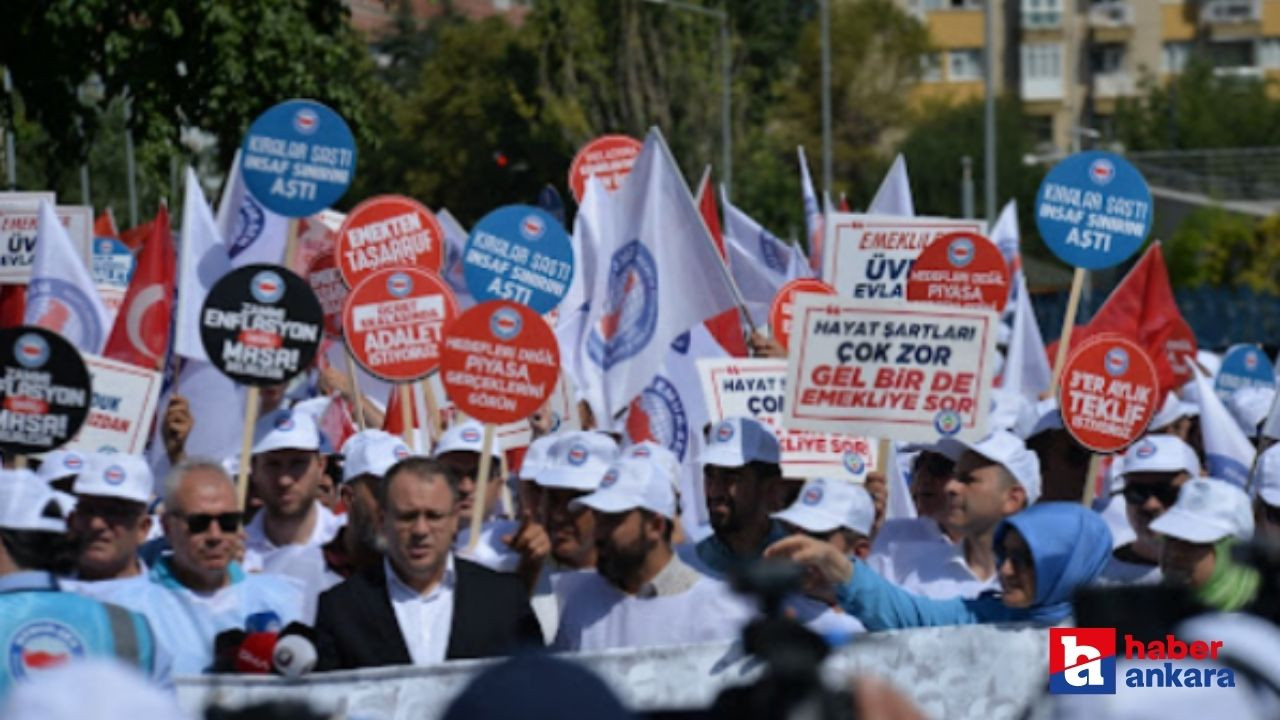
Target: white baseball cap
x,y
632,484
116,475
651,451
1267,481
577,461
737,441
1171,411
1009,451
1250,406
1207,510
286,429
824,505
28,503
535,457
371,452
59,464
467,436
1012,411
1161,453
1048,417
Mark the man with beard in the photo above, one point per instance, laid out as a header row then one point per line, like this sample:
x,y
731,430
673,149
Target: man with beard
x,y
642,594
287,534
742,470
367,456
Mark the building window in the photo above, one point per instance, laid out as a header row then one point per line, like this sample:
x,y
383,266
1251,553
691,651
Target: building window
x,y
1231,54
951,4
1174,58
1107,59
1041,13
964,65
931,67
1269,52
1042,61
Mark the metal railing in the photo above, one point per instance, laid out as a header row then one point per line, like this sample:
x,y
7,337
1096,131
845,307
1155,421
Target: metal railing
x,y
1231,11
1111,15
1228,173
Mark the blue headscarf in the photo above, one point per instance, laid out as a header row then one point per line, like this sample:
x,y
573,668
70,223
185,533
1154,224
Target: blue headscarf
x,y
1070,545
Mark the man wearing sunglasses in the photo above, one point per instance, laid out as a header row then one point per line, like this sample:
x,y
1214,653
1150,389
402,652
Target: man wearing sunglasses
x,y
196,591
1154,469
110,521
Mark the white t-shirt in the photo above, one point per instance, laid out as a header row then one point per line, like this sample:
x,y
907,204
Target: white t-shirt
x,y
425,620
598,616
934,569
303,562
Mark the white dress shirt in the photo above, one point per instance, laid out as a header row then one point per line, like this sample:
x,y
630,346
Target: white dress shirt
x,y
303,562
424,619
934,569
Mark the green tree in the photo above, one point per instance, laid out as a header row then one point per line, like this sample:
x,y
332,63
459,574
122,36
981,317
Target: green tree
x,y
1219,248
1198,109
208,64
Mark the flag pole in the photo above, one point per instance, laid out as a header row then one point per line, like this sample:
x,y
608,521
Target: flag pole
x,y
482,486
356,394
1068,324
246,444
406,414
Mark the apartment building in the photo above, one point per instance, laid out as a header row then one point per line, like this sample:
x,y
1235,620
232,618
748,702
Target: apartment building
x,y
1070,61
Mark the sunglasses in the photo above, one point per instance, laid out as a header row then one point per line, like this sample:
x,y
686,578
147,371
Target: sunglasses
x,y
228,522
1137,493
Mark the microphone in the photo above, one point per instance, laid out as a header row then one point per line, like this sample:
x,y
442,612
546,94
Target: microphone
x,y
254,655
225,647
266,621
295,652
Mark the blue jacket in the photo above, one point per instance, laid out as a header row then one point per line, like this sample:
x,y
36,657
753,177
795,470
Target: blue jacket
x,y
1069,543
44,627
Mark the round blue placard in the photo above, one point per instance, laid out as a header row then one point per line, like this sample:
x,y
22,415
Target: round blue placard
x,y
1094,210
519,253
1243,366
298,158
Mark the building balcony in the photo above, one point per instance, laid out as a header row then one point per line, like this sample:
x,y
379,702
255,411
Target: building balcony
x,y
1111,15
1231,19
1241,72
1042,89
1114,85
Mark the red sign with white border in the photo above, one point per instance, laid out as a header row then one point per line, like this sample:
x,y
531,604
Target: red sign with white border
x,y
784,302
326,281
1109,393
394,320
388,231
500,362
608,157
960,268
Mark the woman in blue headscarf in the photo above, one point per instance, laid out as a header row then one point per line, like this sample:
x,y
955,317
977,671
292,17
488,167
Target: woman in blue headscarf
x,y
1042,555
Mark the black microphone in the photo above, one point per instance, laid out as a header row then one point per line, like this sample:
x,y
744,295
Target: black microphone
x,y
225,646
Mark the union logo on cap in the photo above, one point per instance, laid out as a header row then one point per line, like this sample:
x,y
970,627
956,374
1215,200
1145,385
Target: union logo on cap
x,y
113,475
853,462
640,451
1102,171
724,433
577,455
610,478
31,351
399,284
532,227
1146,449
73,462
400,452
812,496
960,252
267,287
284,422
1116,362
471,435
505,323
306,121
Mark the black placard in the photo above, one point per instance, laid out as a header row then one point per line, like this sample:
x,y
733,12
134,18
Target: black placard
x,y
261,325
44,390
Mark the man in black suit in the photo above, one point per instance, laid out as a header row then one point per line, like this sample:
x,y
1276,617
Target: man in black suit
x,y
421,605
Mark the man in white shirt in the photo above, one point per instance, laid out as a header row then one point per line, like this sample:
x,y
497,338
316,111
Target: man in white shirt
x,y
931,470
110,520
642,594
994,478
287,534
841,514
197,591
422,605
1155,468
367,456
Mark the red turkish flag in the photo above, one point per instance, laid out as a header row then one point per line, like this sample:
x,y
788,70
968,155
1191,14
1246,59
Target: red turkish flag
x,y
726,327
1142,307
140,335
105,225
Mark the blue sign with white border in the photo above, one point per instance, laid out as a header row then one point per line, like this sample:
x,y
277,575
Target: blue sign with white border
x,y
298,158
519,253
112,263
1094,210
1243,366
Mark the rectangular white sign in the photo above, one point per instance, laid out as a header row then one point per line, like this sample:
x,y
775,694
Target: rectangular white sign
x,y
756,387
915,372
123,405
870,256
19,218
